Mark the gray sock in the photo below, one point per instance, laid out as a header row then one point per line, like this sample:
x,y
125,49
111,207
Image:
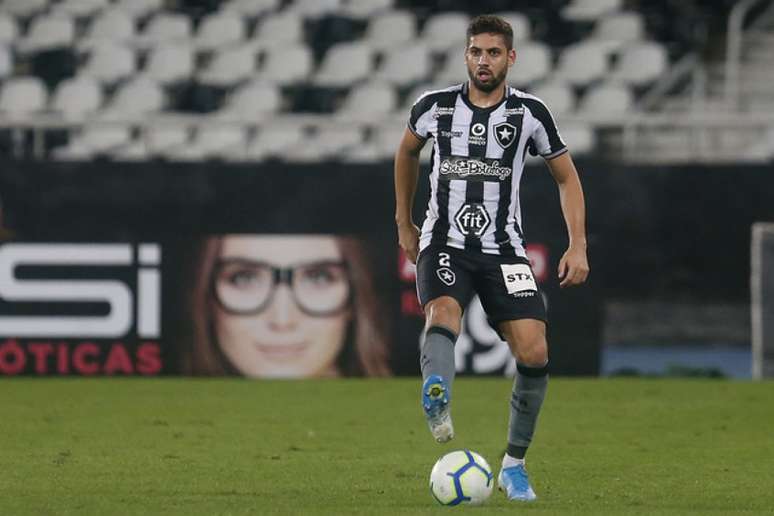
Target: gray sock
x,y
529,389
438,354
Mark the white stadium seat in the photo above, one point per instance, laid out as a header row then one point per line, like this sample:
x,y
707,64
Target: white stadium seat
x,y
454,69
390,30
135,99
444,31
79,8
522,30
165,28
48,32
251,8
533,63
110,62
364,9
23,8
287,65
139,8
404,66
590,10
110,26
641,63
313,9
580,138
252,102
229,67
279,30
6,61
219,30
77,98
618,29
345,64
170,63
274,140
212,141
93,139
558,96
606,101
368,102
9,31
21,96
326,143
581,63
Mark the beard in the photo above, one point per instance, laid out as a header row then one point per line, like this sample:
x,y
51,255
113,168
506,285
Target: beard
x,y
489,86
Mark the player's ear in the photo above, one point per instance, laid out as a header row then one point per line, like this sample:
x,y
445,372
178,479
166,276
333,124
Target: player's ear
x,y
511,57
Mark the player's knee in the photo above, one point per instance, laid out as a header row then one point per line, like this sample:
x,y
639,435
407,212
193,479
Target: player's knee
x,y
444,311
533,352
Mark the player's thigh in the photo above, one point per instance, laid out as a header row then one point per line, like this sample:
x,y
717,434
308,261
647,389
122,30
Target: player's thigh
x,y
527,340
443,275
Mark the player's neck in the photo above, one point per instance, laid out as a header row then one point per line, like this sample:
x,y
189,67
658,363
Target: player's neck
x,y
485,99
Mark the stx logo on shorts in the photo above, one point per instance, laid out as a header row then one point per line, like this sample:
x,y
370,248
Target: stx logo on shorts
x,y
472,220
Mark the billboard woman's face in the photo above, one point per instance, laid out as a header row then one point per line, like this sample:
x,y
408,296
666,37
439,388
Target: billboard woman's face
x,y
283,304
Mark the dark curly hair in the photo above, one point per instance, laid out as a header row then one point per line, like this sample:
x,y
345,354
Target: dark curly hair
x,y
491,24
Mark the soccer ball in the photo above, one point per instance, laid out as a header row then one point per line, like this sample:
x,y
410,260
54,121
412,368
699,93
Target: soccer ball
x,y
461,476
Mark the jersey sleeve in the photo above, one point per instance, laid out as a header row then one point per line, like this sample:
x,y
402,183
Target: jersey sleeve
x,y
547,142
421,117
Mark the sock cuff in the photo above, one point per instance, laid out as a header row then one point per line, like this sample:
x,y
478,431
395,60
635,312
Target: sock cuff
x,y
441,330
532,372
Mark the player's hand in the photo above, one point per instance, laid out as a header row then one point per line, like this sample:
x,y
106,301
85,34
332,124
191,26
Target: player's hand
x,y
573,267
408,238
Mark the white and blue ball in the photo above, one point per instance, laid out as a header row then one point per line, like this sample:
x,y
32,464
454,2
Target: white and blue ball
x,y
461,477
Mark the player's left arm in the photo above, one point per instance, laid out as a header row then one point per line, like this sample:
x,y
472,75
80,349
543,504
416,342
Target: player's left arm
x,y
574,265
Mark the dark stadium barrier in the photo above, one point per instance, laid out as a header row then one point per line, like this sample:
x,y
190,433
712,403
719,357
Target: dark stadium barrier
x,y
650,235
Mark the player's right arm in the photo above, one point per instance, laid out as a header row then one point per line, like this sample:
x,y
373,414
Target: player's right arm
x,y
406,174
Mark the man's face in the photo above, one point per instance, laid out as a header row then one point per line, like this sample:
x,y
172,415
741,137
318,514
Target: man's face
x,y
488,60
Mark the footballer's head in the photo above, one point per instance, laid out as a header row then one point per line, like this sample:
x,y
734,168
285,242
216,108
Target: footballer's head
x,y
489,52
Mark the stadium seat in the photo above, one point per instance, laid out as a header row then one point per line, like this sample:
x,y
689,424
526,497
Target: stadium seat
x,y
212,141
344,64
134,100
77,98
580,138
590,10
139,8
326,143
21,96
606,101
533,63
94,139
114,26
165,28
170,63
364,9
444,31
79,8
279,30
641,63
287,65
313,9
391,29
405,66
581,63
252,102
48,32
153,141
454,69
275,140
8,29
229,67
522,30
251,8
558,96
6,62
109,63
219,30
368,102
618,29
23,8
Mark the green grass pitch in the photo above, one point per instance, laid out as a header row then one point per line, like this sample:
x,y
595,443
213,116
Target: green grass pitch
x,y
176,446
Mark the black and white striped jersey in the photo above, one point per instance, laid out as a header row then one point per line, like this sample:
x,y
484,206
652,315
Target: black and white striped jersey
x,y
477,162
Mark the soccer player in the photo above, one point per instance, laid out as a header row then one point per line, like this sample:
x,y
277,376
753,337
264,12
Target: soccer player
x,y
472,239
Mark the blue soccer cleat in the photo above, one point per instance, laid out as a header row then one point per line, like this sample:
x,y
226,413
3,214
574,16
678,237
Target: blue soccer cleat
x,y
514,482
435,402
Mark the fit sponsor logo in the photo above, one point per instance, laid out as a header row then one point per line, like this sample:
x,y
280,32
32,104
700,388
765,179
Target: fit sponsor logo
x,y
472,220
464,168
